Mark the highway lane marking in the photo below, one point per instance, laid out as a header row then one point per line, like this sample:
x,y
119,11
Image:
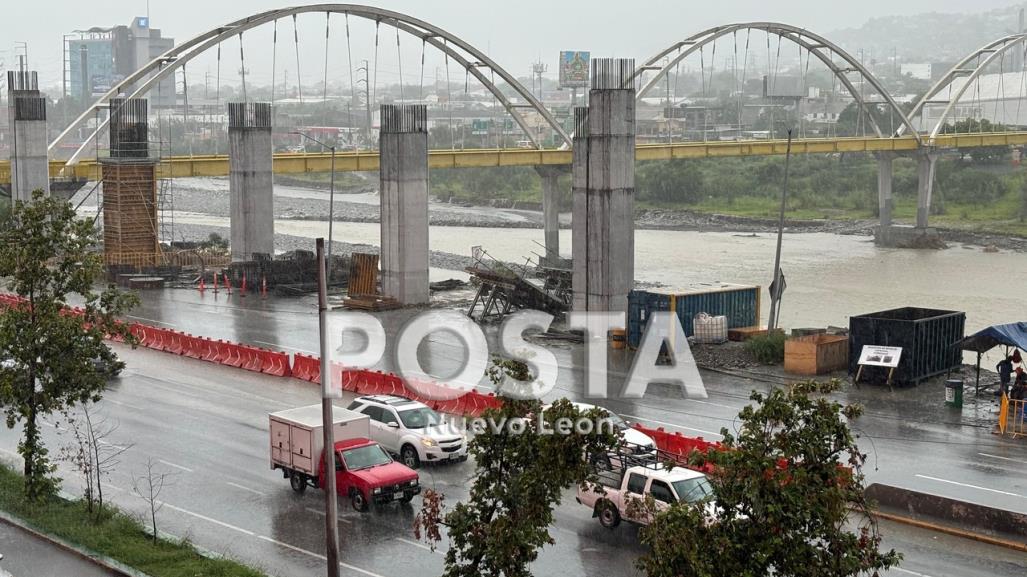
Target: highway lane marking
x,y
908,572
318,556
978,487
151,321
244,488
210,520
676,426
113,487
321,513
285,347
1018,461
997,457
123,404
415,544
112,445
715,404
170,464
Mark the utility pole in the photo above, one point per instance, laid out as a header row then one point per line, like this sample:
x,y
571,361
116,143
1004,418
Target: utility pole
x,y
537,70
367,98
328,420
775,294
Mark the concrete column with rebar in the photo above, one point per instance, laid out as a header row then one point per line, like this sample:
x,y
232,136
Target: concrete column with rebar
x,y
130,227
30,168
603,220
403,144
250,183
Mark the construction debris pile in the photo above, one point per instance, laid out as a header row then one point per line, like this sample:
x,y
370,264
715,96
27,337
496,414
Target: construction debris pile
x,y
292,273
502,290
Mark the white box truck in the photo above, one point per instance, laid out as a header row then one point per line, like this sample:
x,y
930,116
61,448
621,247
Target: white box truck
x,y
364,470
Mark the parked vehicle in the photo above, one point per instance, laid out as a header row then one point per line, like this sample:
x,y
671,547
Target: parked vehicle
x,y
610,501
411,430
633,442
364,471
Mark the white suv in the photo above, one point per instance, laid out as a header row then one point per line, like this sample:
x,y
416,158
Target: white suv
x,y
411,430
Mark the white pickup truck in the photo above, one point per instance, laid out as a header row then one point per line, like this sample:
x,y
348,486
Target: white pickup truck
x,y
610,500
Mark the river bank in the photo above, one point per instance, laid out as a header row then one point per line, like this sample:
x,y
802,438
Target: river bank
x,y
359,204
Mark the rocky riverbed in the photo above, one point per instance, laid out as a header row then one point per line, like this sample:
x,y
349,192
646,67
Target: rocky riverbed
x,y
209,196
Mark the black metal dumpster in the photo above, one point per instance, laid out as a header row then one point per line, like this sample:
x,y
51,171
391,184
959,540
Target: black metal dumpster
x,y
930,341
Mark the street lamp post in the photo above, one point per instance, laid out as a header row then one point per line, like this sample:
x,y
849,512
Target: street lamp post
x,y
331,198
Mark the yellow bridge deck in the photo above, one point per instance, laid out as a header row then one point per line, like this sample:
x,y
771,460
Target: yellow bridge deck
x,y
293,163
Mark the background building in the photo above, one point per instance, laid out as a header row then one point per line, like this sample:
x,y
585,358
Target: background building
x,y
97,58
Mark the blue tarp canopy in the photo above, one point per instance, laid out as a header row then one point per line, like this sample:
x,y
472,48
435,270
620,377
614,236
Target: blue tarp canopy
x,y
1010,335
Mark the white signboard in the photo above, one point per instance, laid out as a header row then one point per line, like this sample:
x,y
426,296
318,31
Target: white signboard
x,y
880,356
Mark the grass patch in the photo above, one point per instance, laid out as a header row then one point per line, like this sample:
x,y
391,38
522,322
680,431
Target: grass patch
x,y
117,535
768,349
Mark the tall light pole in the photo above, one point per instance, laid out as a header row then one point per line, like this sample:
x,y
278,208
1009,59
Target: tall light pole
x,y
328,420
331,198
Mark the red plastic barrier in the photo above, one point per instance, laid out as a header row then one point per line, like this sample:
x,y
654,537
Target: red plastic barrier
x,y
174,342
192,346
233,355
276,363
211,352
253,358
306,367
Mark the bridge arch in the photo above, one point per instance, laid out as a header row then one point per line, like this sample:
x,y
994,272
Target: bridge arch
x,y
970,68
470,58
817,45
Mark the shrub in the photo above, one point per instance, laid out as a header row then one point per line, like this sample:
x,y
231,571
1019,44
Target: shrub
x,y
768,349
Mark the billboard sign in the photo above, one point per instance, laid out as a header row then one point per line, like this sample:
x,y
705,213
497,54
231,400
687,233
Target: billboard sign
x,y
574,69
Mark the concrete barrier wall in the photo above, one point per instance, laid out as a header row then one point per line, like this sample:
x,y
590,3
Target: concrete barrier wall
x,y
958,514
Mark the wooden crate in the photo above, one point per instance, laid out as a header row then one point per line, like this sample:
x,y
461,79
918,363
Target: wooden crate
x,y
816,354
745,333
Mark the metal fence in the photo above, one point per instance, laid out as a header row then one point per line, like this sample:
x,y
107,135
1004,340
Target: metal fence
x,y
1011,417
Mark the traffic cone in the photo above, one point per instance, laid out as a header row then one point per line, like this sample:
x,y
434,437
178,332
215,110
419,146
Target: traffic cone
x,y
228,284
203,285
263,287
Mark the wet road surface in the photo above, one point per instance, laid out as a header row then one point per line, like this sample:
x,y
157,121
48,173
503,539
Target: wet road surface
x,y
206,425
911,439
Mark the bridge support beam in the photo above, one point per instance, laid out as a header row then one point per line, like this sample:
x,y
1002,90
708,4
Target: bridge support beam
x,y
30,169
925,187
403,142
551,194
251,192
604,191
885,172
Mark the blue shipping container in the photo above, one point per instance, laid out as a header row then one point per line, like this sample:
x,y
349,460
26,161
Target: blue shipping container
x,y
739,303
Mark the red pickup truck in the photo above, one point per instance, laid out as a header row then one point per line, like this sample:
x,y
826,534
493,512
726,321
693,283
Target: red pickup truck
x,y
364,471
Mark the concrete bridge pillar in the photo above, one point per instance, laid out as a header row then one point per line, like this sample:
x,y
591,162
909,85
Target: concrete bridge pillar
x,y
30,168
604,191
551,209
885,172
925,187
403,142
251,192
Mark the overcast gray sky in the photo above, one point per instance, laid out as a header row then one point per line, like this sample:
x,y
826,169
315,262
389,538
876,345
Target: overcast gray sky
x,y
514,33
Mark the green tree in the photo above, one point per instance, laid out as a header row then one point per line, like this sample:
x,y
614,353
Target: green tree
x,y
982,154
519,478
49,354
789,493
